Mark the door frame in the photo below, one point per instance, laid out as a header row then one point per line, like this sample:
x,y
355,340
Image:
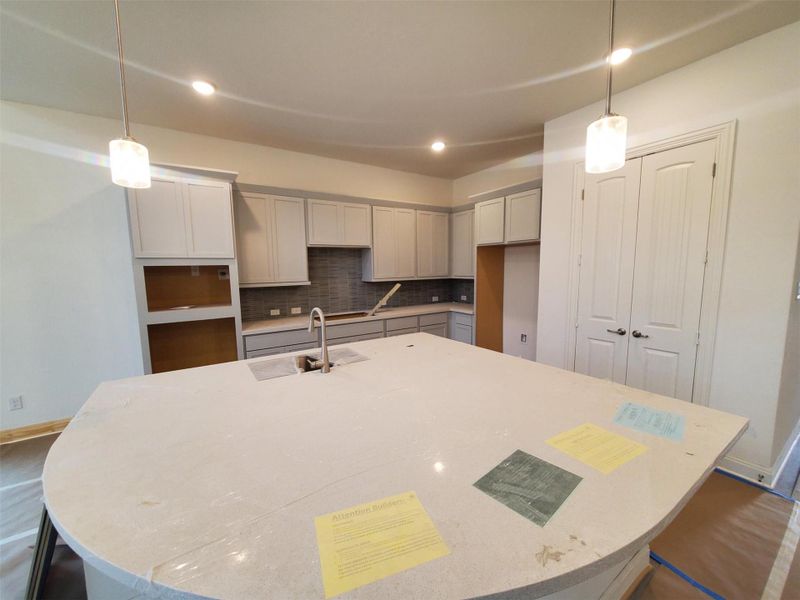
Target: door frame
x,y
724,135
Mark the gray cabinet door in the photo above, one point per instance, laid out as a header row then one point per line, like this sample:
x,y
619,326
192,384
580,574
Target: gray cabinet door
x,y
439,329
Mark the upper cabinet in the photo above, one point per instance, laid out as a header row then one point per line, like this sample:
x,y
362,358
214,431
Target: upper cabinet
x,y
341,224
462,249
523,212
271,240
489,221
433,232
509,220
180,218
393,254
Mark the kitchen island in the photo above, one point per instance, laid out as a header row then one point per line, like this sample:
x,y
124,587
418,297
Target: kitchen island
x,y
206,482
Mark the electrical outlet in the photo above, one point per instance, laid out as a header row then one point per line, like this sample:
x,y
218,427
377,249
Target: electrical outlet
x,y
223,274
274,312
435,298
195,271
523,337
296,310
15,403
463,298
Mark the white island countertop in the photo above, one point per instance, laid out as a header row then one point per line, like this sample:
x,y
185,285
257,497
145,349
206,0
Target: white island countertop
x,y
207,482
301,321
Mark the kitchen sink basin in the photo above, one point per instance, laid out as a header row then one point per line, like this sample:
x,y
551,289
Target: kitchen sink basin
x,y
302,363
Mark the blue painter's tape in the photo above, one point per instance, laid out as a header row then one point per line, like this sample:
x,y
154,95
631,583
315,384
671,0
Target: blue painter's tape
x,y
763,488
685,577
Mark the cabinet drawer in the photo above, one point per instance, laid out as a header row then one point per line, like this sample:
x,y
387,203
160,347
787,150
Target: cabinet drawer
x,y
439,329
395,332
435,319
401,323
264,352
461,319
356,338
279,338
354,329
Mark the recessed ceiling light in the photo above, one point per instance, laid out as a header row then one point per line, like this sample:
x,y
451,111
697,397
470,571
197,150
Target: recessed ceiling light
x,y
438,146
620,55
204,88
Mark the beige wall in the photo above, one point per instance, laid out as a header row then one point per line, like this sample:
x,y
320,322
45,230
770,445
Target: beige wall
x,y
756,83
520,170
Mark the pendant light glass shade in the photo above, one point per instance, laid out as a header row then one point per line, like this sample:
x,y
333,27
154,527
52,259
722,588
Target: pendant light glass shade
x,y
605,144
130,163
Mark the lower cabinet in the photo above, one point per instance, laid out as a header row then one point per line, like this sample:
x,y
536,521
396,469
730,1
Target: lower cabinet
x,y
461,327
456,326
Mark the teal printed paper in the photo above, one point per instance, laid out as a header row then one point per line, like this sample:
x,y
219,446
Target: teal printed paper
x,y
657,422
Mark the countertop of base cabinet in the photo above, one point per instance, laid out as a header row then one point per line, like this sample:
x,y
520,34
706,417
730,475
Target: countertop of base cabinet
x,y
301,321
206,482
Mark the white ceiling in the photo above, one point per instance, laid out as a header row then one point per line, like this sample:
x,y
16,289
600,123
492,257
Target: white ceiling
x,y
373,82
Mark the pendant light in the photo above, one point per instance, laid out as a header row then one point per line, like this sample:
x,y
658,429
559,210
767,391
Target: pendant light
x,y
130,161
606,137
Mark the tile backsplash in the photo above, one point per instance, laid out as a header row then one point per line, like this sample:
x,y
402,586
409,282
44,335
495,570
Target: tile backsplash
x,y
336,286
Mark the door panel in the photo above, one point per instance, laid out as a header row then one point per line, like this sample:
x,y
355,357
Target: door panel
x,y
356,224
405,226
158,219
383,244
209,222
523,212
608,245
323,223
291,256
490,221
672,232
255,254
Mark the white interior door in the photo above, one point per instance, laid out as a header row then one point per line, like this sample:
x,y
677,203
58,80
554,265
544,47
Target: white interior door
x,y
672,232
608,245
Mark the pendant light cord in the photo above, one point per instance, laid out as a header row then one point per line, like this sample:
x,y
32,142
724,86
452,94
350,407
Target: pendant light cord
x,y
608,57
122,73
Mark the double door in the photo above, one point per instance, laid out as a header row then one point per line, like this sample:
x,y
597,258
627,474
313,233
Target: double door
x,y
642,264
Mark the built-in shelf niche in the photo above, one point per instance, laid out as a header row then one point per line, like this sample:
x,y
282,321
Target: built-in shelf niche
x,y
191,344
186,287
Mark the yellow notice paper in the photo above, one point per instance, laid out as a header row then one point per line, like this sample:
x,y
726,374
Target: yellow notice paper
x,y
364,543
597,447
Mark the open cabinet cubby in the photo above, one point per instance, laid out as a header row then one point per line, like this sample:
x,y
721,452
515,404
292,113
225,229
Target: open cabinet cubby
x,y
183,287
191,344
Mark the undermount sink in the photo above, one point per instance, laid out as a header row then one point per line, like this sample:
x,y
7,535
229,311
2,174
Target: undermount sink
x,y
347,315
302,363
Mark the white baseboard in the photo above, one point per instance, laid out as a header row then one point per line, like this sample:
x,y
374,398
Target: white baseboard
x,y
766,476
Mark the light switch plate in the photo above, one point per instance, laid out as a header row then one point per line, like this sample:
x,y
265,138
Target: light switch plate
x,y
195,271
435,298
15,403
296,310
523,337
463,298
274,312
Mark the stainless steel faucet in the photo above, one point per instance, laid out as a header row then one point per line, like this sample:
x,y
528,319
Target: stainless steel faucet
x,y
326,365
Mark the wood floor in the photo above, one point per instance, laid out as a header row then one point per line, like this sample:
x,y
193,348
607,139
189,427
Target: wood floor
x,y
730,540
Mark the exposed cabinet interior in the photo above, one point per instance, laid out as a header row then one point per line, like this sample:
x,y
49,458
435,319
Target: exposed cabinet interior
x,y
394,245
271,237
190,344
339,224
182,218
186,286
433,244
462,247
489,280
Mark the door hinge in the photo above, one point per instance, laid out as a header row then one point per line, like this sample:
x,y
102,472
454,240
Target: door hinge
x,y
714,170
583,194
576,325
697,340
705,260
580,258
